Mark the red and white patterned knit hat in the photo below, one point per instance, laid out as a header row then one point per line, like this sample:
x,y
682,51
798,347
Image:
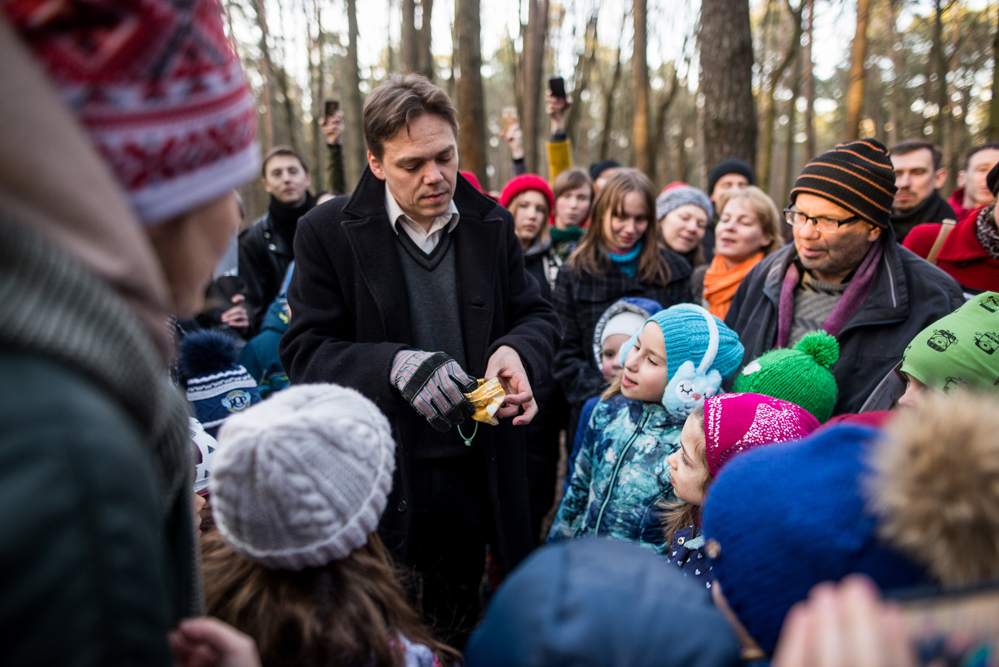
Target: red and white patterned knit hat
x,y
159,90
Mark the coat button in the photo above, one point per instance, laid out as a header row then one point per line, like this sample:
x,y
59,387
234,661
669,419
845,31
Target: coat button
x,y
272,247
713,549
267,235
402,505
679,541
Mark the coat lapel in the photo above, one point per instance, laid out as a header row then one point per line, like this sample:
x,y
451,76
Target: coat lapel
x,y
376,259
476,242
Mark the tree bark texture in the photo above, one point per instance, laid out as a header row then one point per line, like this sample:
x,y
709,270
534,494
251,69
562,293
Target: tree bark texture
x,y
409,44
317,70
641,148
535,34
353,141
605,136
891,8
729,114
471,103
809,83
267,73
858,54
425,58
660,142
770,102
585,61
993,129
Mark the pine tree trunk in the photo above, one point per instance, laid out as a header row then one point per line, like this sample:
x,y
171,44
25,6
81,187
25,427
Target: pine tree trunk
x,y
266,73
585,62
317,69
354,150
535,34
641,148
770,110
790,171
896,72
605,136
409,45
425,58
729,116
939,58
993,129
471,106
660,142
858,54
810,149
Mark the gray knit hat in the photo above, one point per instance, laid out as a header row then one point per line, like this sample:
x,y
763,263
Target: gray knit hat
x,y
679,194
302,478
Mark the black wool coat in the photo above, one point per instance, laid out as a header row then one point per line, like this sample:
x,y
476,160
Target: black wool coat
x,y
908,295
350,315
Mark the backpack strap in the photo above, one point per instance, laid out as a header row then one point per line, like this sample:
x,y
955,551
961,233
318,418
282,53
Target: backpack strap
x,y
946,227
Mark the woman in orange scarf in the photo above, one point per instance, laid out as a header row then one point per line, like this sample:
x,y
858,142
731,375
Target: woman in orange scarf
x,y
748,229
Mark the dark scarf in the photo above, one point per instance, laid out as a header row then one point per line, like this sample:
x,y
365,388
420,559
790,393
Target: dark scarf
x,y
987,232
569,234
857,292
285,217
931,209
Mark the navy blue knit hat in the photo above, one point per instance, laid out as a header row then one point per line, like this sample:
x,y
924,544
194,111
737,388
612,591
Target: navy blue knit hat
x,y
783,518
598,168
600,602
217,386
733,165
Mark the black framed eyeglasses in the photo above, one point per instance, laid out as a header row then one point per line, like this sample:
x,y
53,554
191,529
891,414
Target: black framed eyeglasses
x,y
823,224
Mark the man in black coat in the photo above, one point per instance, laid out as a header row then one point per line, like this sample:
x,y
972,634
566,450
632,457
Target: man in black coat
x,y
918,174
266,248
407,291
843,274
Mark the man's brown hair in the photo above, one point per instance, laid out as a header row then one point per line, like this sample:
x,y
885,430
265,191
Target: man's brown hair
x,y
913,145
281,150
398,102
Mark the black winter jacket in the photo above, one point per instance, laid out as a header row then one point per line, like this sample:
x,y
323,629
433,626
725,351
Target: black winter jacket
x,y
580,301
350,316
263,261
908,295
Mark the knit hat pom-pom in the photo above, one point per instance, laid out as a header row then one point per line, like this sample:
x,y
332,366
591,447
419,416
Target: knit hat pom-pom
x,y
820,346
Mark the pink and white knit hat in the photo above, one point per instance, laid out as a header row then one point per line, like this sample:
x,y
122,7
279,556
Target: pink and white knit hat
x,y
736,423
159,90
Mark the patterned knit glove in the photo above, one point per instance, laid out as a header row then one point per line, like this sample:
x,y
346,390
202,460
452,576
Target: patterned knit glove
x,y
435,385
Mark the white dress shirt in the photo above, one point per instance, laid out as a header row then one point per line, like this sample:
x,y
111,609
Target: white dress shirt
x,y
426,241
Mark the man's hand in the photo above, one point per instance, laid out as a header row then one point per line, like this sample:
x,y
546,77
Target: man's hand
x,y
332,127
844,626
236,317
556,108
505,364
514,138
435,385
208,642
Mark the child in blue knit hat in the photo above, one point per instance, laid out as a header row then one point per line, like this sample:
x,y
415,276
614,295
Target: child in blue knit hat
x,y
677,360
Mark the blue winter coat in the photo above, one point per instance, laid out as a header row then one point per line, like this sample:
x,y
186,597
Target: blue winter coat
x,y
260,354
687,554
621,475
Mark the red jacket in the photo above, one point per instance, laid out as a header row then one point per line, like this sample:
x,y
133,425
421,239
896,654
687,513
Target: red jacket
x,y
962,256
956,202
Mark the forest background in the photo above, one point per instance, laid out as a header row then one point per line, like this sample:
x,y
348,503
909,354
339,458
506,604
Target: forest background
x,y
668,86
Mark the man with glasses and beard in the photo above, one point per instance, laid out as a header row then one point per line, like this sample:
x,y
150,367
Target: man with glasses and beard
x,y
843,274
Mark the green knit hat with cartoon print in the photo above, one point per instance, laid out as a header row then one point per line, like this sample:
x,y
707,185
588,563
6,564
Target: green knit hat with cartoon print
x,y
959,350
798,375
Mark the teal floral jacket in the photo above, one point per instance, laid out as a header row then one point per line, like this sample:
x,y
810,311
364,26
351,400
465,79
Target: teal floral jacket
x,y
621,475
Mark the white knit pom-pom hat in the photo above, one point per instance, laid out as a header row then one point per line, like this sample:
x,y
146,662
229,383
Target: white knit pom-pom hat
x,y
302,478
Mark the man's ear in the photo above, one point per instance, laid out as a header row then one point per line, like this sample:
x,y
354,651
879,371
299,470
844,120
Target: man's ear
x,y
267,188
939,178
376,167
874,233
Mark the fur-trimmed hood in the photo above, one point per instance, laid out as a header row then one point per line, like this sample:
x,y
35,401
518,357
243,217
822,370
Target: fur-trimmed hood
x,y
936,485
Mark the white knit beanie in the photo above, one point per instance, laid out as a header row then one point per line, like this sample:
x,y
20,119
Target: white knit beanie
x,y
302,478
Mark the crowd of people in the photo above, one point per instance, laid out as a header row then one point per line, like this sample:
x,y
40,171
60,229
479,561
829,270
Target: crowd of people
x,y
571,421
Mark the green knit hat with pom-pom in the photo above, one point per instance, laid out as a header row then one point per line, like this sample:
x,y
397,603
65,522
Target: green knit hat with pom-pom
x,y
799,375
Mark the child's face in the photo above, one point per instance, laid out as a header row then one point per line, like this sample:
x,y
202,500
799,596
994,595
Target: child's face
x,y
644,377
609,363
688,469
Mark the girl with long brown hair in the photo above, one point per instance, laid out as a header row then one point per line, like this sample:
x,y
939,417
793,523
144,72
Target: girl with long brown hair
x,y
299,485
618,256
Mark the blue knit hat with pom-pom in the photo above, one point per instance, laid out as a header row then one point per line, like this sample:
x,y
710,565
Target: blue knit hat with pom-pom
x,y
685,333
217,386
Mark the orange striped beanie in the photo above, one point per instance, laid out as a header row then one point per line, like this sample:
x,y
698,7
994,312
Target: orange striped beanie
x,y
856,175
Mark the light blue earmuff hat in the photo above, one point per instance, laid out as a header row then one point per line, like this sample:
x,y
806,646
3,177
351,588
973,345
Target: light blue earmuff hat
x,y
692,335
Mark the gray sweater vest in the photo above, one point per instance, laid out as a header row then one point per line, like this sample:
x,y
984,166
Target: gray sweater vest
x,y
432,285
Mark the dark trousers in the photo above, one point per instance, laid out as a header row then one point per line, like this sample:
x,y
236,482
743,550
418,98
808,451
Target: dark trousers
x,y
452,523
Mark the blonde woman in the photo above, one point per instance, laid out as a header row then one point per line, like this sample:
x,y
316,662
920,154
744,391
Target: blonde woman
x,y
748,230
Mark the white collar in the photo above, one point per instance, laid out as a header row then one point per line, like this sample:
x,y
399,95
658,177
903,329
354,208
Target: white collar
x,y
449,218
